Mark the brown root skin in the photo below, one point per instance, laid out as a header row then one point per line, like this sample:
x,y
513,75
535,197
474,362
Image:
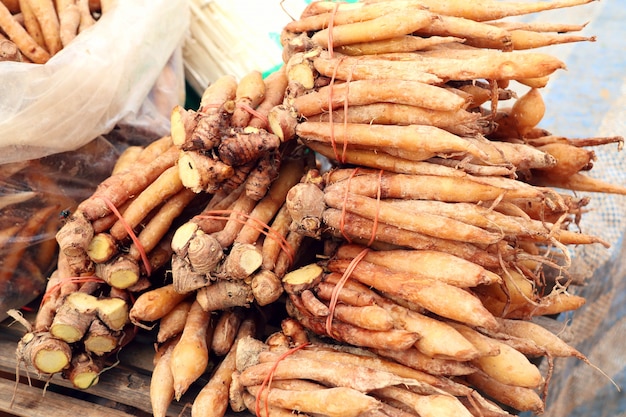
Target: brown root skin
x,y
300,68
285,261
239,177
101,340
498,356
372,91
265,210
305,203
47,309
222,200
294,90
27,44
295,331
182,122
349,402
212,400
236,392
457,304
69,21
577,182
158,226
349,296
84,371
199,172
450,188
158,257
241,262
438,339
224,294
240,211
460,122
407,43
543,337
154,304
266,287
249,94
9,51
473,32
344,332
191,355
321,14
164,187
172,323
528,111
80,265
162,383
433,225
358,227
45,353
377,28
74,316
522,156
415,359
225,331
272,247
278,341
282,121
520,398
578,142
184,278
243,146
262,175
75,235
527,39
553,303
360,378
121,272
434,264
152,150
208,131
432,404
103,224
313,305
250,402
220,91
344,67
204,253
368,317
117,189
275,86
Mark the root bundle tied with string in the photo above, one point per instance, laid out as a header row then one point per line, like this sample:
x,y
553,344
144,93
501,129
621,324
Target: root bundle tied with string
x,y
373,198
429,171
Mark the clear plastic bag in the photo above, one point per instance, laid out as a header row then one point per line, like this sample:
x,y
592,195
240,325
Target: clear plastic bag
x,y
102,77
64,123
35,198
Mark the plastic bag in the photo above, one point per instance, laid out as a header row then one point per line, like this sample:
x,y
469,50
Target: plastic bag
x,y
35,198
102,77
120,79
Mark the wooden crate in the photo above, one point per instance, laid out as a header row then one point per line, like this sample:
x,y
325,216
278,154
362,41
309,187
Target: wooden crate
x,y
122,391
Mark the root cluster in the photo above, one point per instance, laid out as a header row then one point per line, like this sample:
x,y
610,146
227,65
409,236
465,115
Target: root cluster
x,y
373,198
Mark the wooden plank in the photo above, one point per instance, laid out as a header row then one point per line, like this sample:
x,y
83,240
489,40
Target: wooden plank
x,y
30,402
122,383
